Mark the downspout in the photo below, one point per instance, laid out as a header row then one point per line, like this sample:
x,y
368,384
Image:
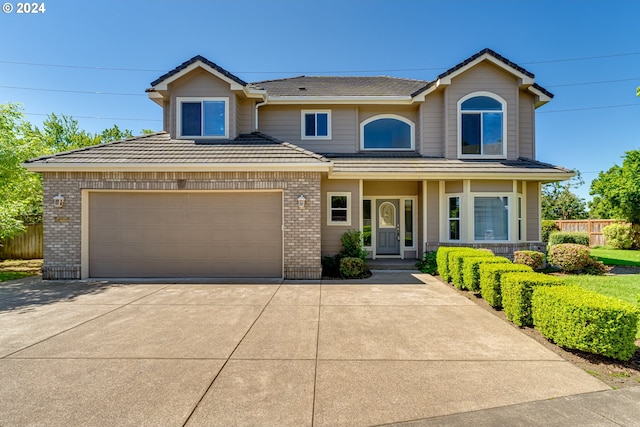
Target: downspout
x,y
258,105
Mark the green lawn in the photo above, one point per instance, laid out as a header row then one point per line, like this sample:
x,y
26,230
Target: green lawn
x,y
10,275
611,256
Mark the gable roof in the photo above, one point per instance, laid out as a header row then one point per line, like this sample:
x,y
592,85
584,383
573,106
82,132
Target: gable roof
x,y
192,61
159,151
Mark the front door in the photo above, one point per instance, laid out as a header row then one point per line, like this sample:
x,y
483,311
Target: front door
x,y
388,227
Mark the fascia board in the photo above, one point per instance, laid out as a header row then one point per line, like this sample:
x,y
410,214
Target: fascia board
x,y
275,100
542,98
177,167
547,177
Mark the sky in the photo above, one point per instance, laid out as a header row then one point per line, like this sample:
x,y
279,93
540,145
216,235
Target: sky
x,y
93,60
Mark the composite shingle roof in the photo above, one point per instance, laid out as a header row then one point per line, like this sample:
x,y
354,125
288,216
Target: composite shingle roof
x,y
341,86
160,148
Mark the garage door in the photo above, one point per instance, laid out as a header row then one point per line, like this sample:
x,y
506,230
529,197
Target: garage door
x,y
146,234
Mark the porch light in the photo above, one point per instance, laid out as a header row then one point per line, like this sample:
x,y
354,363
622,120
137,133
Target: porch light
x,y
58,201
301,201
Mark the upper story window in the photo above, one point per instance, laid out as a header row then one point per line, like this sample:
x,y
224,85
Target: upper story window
x,y
316,124
482,132
202,117
387,132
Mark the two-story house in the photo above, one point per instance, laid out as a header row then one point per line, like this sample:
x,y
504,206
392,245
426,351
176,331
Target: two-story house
x,y
261,179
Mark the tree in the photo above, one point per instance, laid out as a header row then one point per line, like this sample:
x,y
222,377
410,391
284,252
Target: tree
x,y
21,190
558,202
617,191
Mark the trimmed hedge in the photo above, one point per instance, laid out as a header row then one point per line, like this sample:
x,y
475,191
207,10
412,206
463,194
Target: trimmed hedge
x,y
490,276
573,317
577,237
548,227
471,270
457,260
442,259
517,289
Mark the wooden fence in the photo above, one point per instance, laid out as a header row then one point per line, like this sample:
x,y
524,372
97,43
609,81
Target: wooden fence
x,y
592,226
27,245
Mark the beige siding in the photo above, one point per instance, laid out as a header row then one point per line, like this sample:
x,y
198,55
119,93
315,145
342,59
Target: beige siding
x,y
483,77
432,137
492,186
533,212
433,211
201,84
527,126
453,187
244,115
285,123
331,233
391,188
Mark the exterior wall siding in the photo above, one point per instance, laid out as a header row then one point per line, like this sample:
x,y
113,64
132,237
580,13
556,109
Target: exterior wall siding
x,y
301,227
527,116
331,234
532,206
433,211
432,136
483,77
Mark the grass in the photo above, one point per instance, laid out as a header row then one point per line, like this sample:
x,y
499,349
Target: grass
x,y
11,275
17,269
610,256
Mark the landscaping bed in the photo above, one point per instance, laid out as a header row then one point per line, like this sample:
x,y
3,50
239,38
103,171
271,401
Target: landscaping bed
x,y
11,269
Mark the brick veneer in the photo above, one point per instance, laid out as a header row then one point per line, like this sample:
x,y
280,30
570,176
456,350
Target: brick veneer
x,y
62,226
501,249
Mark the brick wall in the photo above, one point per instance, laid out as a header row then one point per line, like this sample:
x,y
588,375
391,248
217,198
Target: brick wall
x,y
62,226
500,249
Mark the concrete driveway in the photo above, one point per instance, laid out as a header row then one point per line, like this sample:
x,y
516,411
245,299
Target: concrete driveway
x,y
79,354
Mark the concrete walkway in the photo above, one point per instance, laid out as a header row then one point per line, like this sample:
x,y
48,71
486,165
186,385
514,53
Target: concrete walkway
x,y
83,354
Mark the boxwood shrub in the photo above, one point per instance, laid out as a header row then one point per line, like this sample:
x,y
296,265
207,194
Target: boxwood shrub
x,y
517,289
457,261
576,318
490,275
577,237
471,270
442,259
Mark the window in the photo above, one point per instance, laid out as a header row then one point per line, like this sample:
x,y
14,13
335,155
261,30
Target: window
x,y
408,223
454,218
316,124
482,127
388,132
491,218
203,117
520,234
339,212
366,222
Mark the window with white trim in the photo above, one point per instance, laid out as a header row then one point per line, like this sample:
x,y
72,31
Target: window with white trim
x,y
491,218
387,132
339,208
316,124
454,218
482,129
202,117
520,221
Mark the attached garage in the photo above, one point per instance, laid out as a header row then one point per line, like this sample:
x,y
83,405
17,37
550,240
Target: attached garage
x,y
164,234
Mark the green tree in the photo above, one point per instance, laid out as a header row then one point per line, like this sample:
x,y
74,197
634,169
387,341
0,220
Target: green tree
x,y
21,190
559,202
617,191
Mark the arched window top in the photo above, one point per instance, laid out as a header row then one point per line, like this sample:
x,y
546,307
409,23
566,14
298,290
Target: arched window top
x,y
387,132
481,103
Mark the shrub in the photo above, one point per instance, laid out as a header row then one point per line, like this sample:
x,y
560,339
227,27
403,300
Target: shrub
x,y
457,260
560,237
428,263
618,235
517,289
533,259
471,270
490,276
352,268
548,226
596,268
577,318
352,245
442,261
569,256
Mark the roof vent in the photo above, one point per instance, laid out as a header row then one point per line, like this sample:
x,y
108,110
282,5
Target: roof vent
x,y
302,88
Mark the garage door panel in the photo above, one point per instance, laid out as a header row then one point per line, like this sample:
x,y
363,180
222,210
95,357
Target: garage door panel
x,y
146,234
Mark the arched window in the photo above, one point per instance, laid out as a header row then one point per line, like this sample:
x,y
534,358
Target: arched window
x,y
387,132
482,130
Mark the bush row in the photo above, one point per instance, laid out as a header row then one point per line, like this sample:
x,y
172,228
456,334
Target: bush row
x,y
570,316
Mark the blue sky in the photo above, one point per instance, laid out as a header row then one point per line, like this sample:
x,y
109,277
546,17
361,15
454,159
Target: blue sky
x,y
586,52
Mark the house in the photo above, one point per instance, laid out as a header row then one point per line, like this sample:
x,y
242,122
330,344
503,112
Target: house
x,y
261,179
